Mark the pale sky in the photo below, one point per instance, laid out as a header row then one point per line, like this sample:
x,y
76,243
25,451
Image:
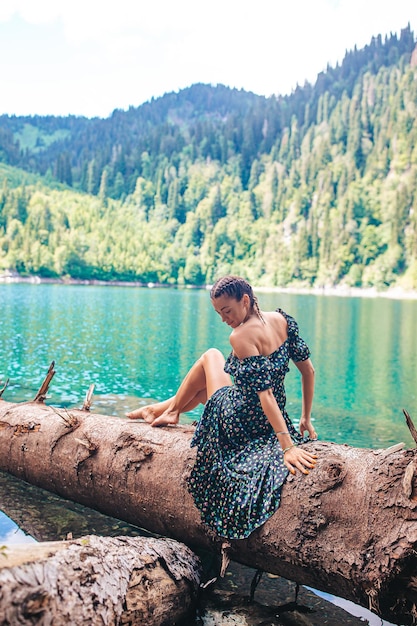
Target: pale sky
x,y
89,57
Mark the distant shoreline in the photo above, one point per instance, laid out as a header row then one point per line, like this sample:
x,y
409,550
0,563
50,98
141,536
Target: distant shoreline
x,y
393,293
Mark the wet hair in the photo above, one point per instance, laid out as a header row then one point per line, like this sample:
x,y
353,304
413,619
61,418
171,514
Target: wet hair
x,y
235,287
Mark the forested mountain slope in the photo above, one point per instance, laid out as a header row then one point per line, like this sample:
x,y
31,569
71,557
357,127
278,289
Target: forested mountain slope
x,y
315,188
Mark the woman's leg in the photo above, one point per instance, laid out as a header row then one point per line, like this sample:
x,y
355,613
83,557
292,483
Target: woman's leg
x,y
151,411
204,378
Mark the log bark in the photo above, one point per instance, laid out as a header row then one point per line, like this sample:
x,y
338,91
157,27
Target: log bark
x,y
348,528
98,580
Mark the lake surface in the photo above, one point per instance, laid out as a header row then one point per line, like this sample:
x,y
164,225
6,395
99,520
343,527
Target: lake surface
x,y
136,344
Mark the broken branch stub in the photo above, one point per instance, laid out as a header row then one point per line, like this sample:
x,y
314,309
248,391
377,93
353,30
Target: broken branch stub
x,y
43,390
410,425
88,398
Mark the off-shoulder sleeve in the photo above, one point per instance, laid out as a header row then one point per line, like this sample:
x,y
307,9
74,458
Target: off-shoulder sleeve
x,y
254,372
298,349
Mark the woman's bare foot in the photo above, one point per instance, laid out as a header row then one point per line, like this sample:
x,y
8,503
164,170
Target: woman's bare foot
x,y
146,413
151,411
167,417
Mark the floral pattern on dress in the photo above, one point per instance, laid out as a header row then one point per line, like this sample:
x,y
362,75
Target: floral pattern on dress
x,y
239,471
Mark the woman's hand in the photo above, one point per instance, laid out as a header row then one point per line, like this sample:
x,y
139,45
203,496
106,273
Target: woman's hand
x,y
306,425
298,459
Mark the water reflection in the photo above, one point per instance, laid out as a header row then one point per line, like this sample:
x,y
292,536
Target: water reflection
x,y
33,514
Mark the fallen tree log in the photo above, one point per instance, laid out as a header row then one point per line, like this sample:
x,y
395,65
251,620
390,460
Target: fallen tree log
x,y
98,580
348,528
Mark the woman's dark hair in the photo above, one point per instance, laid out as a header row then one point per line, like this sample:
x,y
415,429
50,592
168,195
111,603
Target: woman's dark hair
x,y
235,287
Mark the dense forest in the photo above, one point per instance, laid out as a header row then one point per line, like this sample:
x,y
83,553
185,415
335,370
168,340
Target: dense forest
x,y
315,188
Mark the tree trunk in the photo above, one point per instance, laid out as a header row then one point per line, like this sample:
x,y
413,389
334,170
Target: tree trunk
x,y
348,528
98,580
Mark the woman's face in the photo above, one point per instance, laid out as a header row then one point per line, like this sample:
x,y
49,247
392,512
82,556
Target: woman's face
x,y
232,311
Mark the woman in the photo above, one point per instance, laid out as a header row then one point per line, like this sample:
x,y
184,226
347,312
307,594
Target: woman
x,y
246,443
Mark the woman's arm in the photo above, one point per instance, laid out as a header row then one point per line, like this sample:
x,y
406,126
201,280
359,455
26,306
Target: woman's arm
x,y
307,383
294,458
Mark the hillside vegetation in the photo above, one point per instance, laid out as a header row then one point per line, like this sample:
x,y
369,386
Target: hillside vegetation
x,y
316,188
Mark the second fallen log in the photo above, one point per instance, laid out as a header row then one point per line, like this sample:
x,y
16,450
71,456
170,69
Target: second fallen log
x,y
98,580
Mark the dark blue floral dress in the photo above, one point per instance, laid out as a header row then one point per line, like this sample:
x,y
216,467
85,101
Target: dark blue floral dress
x,y
239,471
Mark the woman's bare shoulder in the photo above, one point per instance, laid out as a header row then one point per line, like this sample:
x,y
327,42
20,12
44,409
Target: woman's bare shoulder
x,y
275,317
243,340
